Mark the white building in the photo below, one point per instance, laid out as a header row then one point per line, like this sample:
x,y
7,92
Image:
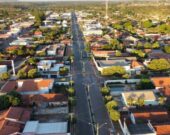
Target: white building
x,y
131,97
45,65
36,128
20,42
92,32
52,50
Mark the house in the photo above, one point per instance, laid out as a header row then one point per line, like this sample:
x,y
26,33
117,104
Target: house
x,y
49,68
162,84
155,114
130,40
36,128
29,86
52,50
4,36
38,34
12,121
129,98
146,120
101,64
46,100
136,67
92,32
162,129
97,53
45,65
128,127
20,42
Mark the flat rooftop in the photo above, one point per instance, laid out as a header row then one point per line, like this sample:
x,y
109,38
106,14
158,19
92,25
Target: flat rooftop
x,y
107,63
140,129
45,128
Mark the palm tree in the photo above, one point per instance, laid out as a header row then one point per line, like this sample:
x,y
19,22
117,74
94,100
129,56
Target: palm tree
x,y
140,101
130,101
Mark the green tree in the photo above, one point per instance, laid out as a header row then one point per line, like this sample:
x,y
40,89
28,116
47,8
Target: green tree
x,y
145,84
32,73
63,71
4,76
147,45
72,101
118,53
130,101
4,102
30,52
105,90
114,115
111,105
167,49
39,16
108,98
71,91
147,24
32,61
138,53
162,100
155,45
139,45
140,101
114,70
14,94
21,74
20,52
159,65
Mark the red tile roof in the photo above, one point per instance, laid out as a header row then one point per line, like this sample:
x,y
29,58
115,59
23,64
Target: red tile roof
x,y
162,129
27,85
156,114
135,64
37,33
34,85
161,81
29,99
13,120
153,116
9,86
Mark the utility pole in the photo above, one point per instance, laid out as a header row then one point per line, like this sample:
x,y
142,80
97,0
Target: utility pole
x,y
98,127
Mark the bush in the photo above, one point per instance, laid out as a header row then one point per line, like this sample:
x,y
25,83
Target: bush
x,y
4,76
12,98
105,90
32,73
145,84
159,65
114,70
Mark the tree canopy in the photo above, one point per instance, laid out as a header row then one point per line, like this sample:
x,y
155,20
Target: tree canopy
x,y
167,49
159,65
114,70
12,98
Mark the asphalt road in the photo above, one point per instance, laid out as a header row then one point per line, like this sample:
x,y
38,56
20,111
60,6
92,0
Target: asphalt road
x,y
84,73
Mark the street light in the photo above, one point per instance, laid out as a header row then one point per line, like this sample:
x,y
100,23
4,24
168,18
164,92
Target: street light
x,y
98,127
